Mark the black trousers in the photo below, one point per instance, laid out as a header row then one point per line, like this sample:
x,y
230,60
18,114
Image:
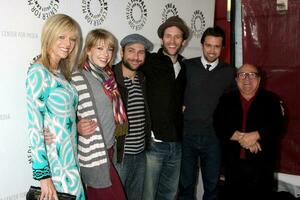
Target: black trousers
x,y
246,179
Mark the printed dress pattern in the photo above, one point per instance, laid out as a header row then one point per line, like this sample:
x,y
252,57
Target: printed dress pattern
x,y
51,104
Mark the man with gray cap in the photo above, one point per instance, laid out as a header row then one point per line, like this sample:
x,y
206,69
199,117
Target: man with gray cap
x,y
131,162
165,74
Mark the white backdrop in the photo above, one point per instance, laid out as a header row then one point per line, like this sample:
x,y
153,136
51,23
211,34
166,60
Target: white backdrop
x,y
20,27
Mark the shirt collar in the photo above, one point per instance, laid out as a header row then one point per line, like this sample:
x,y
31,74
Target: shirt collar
x,y
213,64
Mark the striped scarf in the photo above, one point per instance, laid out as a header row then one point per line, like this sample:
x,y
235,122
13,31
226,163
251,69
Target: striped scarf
x,y
106,77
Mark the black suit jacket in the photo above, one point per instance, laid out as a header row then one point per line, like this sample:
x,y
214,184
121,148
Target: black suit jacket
x,y
264,115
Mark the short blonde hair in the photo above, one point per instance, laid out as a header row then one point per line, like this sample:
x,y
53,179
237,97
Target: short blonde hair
x,y
93,38
54,26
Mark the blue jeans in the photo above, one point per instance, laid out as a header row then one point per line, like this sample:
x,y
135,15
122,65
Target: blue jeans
x,y
163,161
207,148
132,174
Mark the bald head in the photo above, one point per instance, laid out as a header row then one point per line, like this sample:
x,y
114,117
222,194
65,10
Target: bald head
x,y
248,66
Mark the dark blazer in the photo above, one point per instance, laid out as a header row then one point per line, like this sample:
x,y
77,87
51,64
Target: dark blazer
x,y
165,96
124,95
264,115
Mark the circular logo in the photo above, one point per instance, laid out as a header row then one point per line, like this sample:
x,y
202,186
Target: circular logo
x,y
136,14
198,23
94,11
43,9
169,11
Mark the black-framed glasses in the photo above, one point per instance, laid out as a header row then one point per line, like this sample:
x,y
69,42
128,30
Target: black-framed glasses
x,y
250,75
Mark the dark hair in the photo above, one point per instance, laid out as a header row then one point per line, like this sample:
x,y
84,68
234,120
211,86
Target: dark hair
x,y
262,74
215,31
260,71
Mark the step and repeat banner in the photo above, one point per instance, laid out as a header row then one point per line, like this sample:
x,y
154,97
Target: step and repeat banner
x,y
20,28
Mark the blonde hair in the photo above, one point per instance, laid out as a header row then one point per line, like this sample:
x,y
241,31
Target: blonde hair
x,y
95,37
54,26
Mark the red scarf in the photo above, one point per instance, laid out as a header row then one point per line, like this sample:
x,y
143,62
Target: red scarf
x,y
106,77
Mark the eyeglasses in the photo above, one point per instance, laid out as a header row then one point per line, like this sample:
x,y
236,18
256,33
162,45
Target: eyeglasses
x,y
250,75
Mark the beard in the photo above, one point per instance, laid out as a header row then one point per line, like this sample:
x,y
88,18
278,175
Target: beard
x,y
128,66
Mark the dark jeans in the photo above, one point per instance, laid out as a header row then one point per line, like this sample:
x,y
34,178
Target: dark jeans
x,y
206,147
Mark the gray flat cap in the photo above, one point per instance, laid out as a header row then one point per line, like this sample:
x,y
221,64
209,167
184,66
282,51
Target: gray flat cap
x,y
136,38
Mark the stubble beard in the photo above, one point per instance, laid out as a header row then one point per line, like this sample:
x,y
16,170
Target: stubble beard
x,y
128,66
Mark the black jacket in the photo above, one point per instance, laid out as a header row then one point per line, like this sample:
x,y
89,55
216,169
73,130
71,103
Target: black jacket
x,y
165,96
124,95
264,116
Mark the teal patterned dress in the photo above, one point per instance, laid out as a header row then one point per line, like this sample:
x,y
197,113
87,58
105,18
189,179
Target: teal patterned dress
x,y
51,104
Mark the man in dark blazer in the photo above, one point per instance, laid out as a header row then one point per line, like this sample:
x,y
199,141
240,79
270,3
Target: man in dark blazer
x,y
248,122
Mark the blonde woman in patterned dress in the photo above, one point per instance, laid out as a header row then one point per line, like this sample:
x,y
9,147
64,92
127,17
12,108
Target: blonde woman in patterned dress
x,y
51,104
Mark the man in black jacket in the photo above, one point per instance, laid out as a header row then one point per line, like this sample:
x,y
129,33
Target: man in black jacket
x,y
165,75
131,163
248,122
